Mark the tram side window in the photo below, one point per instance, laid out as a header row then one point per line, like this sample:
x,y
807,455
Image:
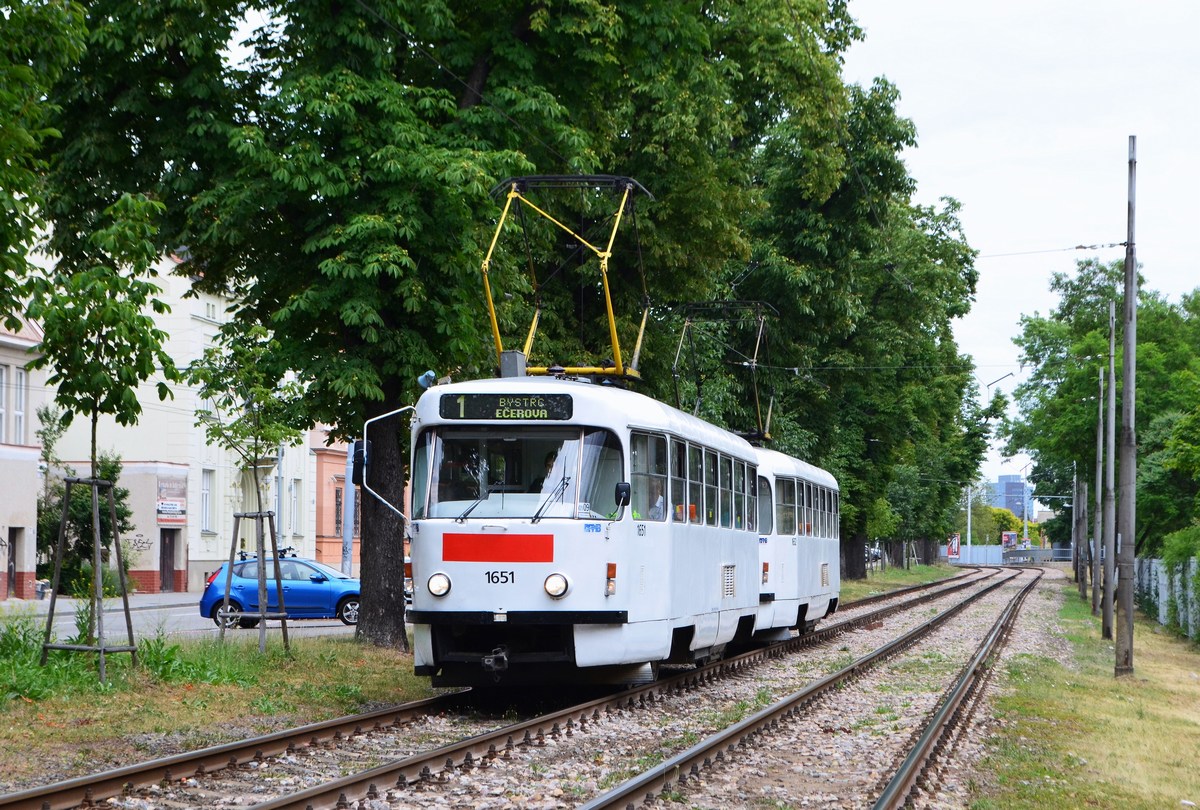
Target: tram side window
x,y
837,514
710,487
649,468
420,474
766,509
695,484
785,506
807,499
601,469
751,497
823,502
739,494
678,479
726,490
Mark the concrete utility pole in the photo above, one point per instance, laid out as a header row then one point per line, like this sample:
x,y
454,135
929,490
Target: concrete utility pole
x,y
348,514
1098,520
1110,465
1084,567
969,523
1081,524
1128,495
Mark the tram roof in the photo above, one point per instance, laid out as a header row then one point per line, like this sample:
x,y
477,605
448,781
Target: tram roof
x,y
781,464
594,404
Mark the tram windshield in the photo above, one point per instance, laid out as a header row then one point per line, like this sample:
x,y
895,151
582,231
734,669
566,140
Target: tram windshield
x,y
516,471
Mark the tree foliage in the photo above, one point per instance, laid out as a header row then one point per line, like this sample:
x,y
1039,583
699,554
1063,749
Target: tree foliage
x,y
77,529
99,339
337,181
40,39
245,408
1058,409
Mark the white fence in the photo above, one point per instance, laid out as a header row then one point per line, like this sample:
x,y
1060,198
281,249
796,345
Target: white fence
x,y
1172,594
996,555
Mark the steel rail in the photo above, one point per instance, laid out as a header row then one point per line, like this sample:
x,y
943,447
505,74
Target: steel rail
x,y
909,775
480,750
97,787
688,764
908,589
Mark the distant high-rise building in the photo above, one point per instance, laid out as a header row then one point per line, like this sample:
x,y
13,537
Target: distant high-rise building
x,y
1011,492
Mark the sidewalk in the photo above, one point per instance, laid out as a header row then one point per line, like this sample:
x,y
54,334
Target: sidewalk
x,y
65,606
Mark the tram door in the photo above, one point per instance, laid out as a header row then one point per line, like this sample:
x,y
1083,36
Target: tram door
x,y
11,584
166,560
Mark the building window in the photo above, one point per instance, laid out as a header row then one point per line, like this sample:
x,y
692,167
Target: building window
x,y
294,506
339,509
207,485
3,400
19,390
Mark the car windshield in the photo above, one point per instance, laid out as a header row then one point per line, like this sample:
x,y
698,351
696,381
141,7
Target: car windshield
x,y
512,471
332,573
249,569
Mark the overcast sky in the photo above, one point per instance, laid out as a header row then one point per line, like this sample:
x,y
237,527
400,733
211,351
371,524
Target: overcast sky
x,y
1023,112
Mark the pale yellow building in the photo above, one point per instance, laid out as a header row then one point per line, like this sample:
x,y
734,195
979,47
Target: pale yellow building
x,y
22,391
183,491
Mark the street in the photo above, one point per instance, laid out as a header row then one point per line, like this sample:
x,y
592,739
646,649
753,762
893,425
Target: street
x,y
178,620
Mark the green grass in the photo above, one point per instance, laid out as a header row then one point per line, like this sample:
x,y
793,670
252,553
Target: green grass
x,y
192,693
1078,737
892,578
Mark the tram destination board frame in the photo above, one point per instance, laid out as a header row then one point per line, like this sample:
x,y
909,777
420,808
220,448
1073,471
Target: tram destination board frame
x,y
507,407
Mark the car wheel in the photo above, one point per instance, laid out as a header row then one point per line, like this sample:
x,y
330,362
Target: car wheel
x,y
232,616
347,610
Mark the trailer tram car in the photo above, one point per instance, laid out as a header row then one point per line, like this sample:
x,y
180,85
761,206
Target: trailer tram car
x,y
799,542
568,531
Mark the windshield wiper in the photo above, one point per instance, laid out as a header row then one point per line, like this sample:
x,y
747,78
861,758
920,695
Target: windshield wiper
x,y
462,518
557,492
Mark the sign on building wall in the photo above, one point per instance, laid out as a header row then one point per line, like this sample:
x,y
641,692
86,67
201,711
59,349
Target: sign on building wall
x,y
172,500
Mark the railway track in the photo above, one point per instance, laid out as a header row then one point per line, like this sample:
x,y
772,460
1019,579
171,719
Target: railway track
x,y
424,770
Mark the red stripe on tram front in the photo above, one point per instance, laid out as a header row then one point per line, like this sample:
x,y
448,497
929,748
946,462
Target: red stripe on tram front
x,y
459,547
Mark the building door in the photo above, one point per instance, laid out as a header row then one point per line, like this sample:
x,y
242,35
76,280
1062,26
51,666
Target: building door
x,y
166,560
11,585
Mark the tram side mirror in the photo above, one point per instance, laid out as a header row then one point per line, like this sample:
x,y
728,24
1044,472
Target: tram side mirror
x,y
622,494
362,456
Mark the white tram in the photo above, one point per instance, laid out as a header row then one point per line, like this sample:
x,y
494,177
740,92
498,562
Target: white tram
x,y
798,523
567,531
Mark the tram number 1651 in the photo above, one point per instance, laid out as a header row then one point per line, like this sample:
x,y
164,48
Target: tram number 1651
x,y
500,577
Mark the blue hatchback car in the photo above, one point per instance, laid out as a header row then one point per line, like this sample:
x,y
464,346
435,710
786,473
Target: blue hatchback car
x,y
311,590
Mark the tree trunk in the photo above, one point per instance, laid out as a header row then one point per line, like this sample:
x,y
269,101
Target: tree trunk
x,y
381,616
854,560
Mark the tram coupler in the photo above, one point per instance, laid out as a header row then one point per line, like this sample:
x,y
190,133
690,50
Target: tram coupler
x,y
497,661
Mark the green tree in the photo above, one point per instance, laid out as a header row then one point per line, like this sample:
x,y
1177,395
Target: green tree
x,y
1004,521
77,537
100,343
245,408
339,180
98,340
39,40
1057,404
874,379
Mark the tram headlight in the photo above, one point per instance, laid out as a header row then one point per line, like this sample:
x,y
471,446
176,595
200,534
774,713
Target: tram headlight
x,y
439,584
556,585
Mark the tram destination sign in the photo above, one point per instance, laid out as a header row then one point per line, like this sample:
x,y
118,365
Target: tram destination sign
x,y
506,407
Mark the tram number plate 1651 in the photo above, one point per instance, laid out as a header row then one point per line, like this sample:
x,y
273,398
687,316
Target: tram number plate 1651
x,y
500,577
